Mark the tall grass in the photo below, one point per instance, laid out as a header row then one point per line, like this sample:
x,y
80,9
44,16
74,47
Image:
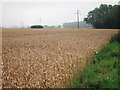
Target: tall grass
x,y
103,72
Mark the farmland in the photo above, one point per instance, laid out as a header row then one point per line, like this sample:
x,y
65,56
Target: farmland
x,y
48,57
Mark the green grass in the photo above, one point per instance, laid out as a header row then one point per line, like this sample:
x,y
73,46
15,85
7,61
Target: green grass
x,y
103,72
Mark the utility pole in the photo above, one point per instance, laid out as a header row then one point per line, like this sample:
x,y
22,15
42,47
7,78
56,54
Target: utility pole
x,y
78,18
39,20
22,24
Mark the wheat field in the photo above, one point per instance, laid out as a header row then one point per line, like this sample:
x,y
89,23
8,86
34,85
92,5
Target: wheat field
x,y
48,58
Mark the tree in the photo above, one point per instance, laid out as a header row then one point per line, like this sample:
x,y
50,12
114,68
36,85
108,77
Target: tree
x,y
36,26
106,16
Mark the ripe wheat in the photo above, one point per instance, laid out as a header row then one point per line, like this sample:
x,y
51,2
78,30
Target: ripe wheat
x,y
48,57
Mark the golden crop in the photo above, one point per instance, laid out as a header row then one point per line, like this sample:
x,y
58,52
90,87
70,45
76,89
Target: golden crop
x,y
48,57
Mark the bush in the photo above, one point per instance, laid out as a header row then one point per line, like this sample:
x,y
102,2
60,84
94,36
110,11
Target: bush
x,y
36,26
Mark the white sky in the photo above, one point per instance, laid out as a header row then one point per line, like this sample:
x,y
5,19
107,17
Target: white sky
x,y
51,12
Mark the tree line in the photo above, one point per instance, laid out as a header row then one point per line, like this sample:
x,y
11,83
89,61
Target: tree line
x,y
106,16
82,24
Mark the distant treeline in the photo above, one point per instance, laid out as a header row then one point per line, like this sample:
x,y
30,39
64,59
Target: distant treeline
x,y
82,24
106,16
46,26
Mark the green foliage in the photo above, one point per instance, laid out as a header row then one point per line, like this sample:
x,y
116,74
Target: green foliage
x,y
103,73
106,16
36,26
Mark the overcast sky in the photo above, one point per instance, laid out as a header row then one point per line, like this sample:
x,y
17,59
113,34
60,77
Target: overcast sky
x,y
46,12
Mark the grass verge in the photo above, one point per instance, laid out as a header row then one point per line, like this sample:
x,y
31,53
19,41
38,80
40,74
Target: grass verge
x,y
103,72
